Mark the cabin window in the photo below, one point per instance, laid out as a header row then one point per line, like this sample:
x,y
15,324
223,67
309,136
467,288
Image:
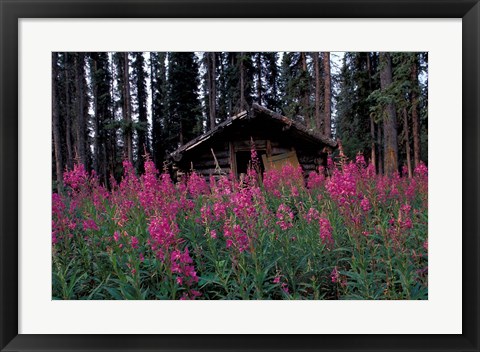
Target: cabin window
x,y
243,159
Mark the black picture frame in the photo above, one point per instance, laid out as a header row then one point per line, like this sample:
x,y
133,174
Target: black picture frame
x,y
11,11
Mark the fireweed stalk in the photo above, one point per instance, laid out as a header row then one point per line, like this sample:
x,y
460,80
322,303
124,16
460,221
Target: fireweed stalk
x,y
342,232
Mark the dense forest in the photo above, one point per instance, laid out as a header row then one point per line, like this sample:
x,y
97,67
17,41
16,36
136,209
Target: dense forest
x,y
108,107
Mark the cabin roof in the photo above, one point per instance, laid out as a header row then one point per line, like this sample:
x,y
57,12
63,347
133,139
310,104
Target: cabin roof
x,y
257,111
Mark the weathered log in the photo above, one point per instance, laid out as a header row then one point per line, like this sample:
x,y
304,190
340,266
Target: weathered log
x,y
279,150
208,163
245,145
208,172
219,154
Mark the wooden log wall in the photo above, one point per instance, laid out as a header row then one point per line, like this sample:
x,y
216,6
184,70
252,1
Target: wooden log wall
x,y
226,147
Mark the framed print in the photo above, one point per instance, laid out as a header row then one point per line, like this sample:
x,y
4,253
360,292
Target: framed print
x,y
94,260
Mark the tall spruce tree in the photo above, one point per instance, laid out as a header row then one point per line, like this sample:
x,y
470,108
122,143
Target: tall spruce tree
x,y
327,131
209,62
389,116
272,76
105,115
81,111
122,61
57,144
296,85
68,84
159,106
140,78
353,103
246,81
222,66
185,117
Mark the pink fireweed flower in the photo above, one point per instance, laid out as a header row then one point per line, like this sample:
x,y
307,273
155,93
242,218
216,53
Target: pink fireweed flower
x,y
54,234
365,204
134,242
205,214
411,189
235,237
405,208
294,191
148,194
370,171
116,236
219,210
163,235
253,155
334,275
330,163
381,189
312,214
241,238
90,225
72,225
76,178
182,264
213,234
404,219
276,280
276,181
285,217
243,205
57,205
197,185
316,179
360,161
325,231
421,170
342,186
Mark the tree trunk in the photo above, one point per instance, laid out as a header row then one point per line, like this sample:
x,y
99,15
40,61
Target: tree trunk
x,y
212,91
259,78
304,94
56,124
180,137
380,153
127,110
415,121
372,121
113,132
96,130
327,95
242,83
152,109
80,125
389,118
68,136
407,141
318,118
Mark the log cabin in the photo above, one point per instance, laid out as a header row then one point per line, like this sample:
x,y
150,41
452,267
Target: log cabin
x,y
277,140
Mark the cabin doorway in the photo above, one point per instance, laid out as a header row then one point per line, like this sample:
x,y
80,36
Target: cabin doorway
x,y
244,160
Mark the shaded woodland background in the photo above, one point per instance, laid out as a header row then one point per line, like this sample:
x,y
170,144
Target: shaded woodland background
x,y
108,107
